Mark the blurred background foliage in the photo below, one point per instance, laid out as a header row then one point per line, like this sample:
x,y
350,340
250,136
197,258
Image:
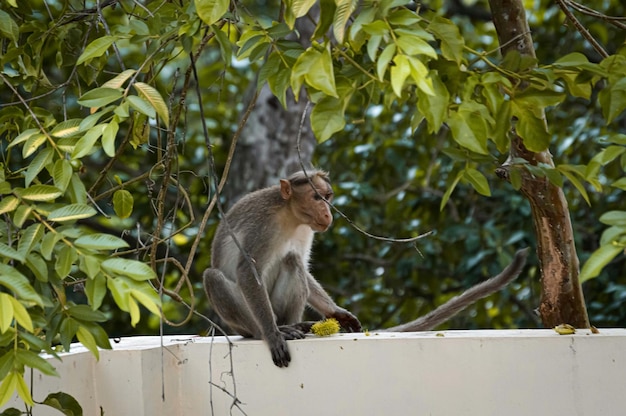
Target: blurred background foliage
x,y
387,179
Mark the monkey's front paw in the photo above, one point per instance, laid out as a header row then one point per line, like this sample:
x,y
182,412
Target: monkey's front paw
x,y
291,332
347,321
279,350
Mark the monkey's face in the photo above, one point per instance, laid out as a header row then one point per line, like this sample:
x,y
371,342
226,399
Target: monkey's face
x,y
320,210
309,204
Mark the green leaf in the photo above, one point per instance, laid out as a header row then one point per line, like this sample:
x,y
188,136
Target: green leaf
x,y
613,100
11,253
131,268
225,45
41,193
100,97
66,257
463,134
316,68
95,289
72,212
419,73
8,204
383,60
614,218
478,181
119,79
452,42
62,174
39,162
210,11
18,284
141,105
38,266
151,95
76,191
8,386
90,265
376,28
532,129
399,73
6,312
33,360
96,49
148,297
620,184
120,292
64,403
569,174
300,8
327,117
414,45
23,391
32,144
99,334
85,338
21,315
101,242
22,214
108,138
434,107
598,260
450,189
327,15
67,128
86,143
344,10
123,203
86,313
29,238
47,244
24,136
67,331
9,29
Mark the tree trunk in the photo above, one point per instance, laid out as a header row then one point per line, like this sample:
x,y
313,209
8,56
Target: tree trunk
x,y
562,299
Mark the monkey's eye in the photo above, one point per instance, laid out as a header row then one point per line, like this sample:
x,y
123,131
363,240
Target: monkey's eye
x,y
317,197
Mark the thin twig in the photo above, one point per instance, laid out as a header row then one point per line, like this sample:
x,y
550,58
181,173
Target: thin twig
x,y
581,29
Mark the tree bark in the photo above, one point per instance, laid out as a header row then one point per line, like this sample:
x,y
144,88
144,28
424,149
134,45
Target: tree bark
x,y
562,299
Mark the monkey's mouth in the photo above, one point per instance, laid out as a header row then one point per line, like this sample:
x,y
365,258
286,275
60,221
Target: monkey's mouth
x,y
320,227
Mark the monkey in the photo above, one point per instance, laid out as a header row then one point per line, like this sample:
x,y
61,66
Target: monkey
x,y
455,305
262,289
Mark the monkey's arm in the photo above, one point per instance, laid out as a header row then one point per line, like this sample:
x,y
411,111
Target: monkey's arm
x,y
471,295
321,302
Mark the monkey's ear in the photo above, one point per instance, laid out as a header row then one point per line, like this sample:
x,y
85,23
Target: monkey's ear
x,y
285,189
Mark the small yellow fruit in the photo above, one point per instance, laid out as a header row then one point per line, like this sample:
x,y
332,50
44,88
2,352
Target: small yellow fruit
x,y
565,329
325,328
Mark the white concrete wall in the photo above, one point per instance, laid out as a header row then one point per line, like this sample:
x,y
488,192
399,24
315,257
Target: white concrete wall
x,y
462,373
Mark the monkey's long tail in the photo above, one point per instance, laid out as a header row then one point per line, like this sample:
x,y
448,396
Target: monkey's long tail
x,y
471,295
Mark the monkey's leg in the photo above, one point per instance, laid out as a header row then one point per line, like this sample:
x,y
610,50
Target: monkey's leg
x,y
228,302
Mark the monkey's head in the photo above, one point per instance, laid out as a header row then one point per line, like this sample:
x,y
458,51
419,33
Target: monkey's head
x,y
307,200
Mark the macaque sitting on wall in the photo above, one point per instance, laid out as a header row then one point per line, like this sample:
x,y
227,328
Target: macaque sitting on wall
x,y
274,227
